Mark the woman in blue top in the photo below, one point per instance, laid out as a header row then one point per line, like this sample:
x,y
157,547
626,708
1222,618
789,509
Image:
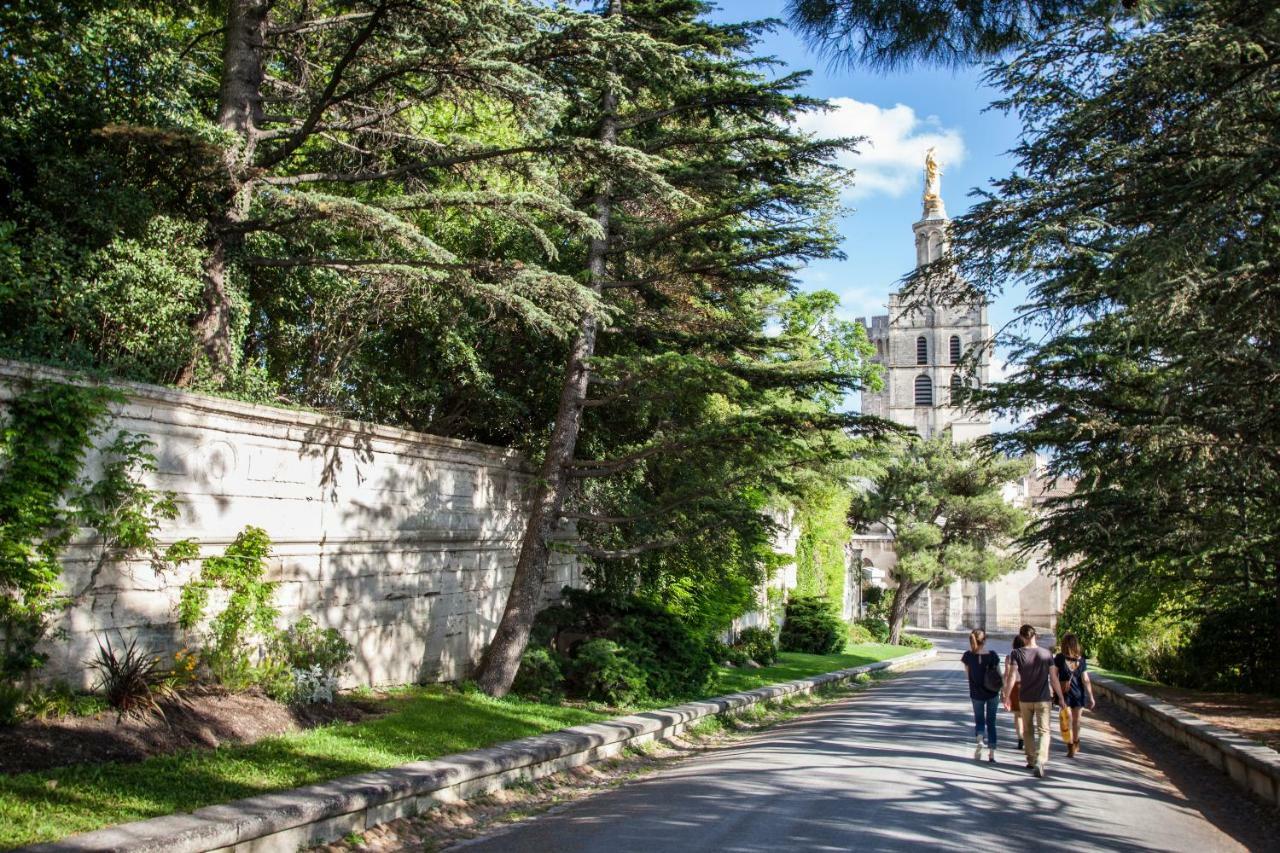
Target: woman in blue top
x,y
985,700
1073,673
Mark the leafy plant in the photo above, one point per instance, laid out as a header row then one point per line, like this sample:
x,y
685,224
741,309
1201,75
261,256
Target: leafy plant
x,y
811,626
758,645
249,611
859,634
45,439
314,658
601,671
541,675
914,642
131,681
676,660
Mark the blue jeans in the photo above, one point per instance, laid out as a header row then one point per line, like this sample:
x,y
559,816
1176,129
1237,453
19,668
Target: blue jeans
x,y
984,714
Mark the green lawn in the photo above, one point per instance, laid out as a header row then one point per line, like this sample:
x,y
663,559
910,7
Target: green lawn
x,y
793,665
1123,677
424,722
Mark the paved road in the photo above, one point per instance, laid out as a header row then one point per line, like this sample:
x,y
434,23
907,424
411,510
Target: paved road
x,y
889,769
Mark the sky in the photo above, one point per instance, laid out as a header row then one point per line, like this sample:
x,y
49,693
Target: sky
x,y
902,114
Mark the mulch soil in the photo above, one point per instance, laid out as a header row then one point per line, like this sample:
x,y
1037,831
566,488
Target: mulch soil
x,y
199,720
1256,717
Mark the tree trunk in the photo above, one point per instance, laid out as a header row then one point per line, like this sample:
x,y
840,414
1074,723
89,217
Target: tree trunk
x,y
239,113
501,659
904,595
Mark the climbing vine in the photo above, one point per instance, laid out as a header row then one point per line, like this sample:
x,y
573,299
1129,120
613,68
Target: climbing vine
x,y
46,435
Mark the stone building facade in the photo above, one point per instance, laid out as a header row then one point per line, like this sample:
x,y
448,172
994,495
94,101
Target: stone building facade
x,y
926,352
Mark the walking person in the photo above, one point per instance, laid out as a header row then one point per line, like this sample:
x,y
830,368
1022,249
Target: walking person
x,y
983,669
1014,705
1073,675
1036,673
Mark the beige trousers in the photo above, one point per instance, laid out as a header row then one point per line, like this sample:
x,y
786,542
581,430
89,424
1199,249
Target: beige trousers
x,y
1037,747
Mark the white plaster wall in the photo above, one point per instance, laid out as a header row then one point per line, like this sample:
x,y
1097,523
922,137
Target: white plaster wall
x,y
403,542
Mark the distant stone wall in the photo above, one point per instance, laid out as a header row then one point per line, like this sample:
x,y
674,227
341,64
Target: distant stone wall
x,y
403,542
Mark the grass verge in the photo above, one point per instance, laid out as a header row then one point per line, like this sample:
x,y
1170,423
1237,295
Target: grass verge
x,y
420,723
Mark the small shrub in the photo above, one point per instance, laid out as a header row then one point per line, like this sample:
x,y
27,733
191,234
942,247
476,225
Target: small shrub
x,y
541,675
759,645
59,700
676,660
601,672
11,697
811,626
304,663
131,681
877,627
733,655
859,634
914,642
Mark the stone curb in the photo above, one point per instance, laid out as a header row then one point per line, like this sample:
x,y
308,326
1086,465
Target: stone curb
x,y
1251,765
326,811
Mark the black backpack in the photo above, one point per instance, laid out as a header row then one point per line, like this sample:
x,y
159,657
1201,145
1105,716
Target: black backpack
x,y
992,678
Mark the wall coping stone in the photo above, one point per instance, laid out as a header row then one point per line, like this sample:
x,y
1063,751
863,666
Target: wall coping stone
x,y
20,371
243,821
1227,743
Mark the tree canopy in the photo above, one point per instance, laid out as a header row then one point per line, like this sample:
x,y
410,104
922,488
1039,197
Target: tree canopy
x,y
1142,221
943,505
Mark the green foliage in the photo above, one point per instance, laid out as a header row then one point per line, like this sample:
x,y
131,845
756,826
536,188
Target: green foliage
x,y
943,504
892,34
45,498
811,626
822,518
304,645
675,661
877,627
248,614
758,645
1142,218
541,675
859,633
131,680
602,671
303,663
914,642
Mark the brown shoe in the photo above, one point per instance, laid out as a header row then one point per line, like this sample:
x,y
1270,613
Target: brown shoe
x,y
1071,750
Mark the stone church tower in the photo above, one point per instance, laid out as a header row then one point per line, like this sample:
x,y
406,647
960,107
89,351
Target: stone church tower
x,y
921,350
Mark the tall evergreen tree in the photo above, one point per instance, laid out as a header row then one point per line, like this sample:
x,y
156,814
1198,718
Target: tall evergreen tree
x,y
1143,220
683,397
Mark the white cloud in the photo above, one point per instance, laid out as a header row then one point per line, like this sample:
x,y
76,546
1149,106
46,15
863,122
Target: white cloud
x,y
890,160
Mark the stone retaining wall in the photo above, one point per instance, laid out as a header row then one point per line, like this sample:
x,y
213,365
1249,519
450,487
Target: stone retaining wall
x,y
1252,766
404,542
289,820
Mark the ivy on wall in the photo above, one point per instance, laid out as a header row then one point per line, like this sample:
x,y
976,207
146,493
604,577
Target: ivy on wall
x,y
824,531
46,498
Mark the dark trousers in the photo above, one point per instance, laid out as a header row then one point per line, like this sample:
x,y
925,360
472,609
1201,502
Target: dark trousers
x,y
984,715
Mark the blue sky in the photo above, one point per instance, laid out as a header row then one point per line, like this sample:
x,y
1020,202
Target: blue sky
x,y
903,113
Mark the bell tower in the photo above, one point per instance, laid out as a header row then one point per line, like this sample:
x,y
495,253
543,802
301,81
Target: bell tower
x,y
926,353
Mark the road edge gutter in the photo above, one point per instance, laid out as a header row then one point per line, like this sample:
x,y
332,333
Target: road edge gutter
x,y
1252,766
285,821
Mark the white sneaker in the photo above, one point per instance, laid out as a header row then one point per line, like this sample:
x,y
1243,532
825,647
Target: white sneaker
x,y
977,750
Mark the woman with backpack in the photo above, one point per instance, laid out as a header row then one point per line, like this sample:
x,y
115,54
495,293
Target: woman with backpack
x,y
1073,675
985,679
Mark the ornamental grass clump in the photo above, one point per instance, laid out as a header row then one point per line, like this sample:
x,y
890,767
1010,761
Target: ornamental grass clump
x,y
131,680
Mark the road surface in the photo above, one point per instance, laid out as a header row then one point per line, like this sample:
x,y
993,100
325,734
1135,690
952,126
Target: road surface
x,y
892,769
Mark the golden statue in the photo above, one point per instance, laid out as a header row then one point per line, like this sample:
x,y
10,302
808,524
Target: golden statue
x,y
932,183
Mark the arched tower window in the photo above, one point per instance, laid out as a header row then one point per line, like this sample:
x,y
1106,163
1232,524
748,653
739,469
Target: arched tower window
x,y
955,349
924,390
956,385
935,246
922,350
